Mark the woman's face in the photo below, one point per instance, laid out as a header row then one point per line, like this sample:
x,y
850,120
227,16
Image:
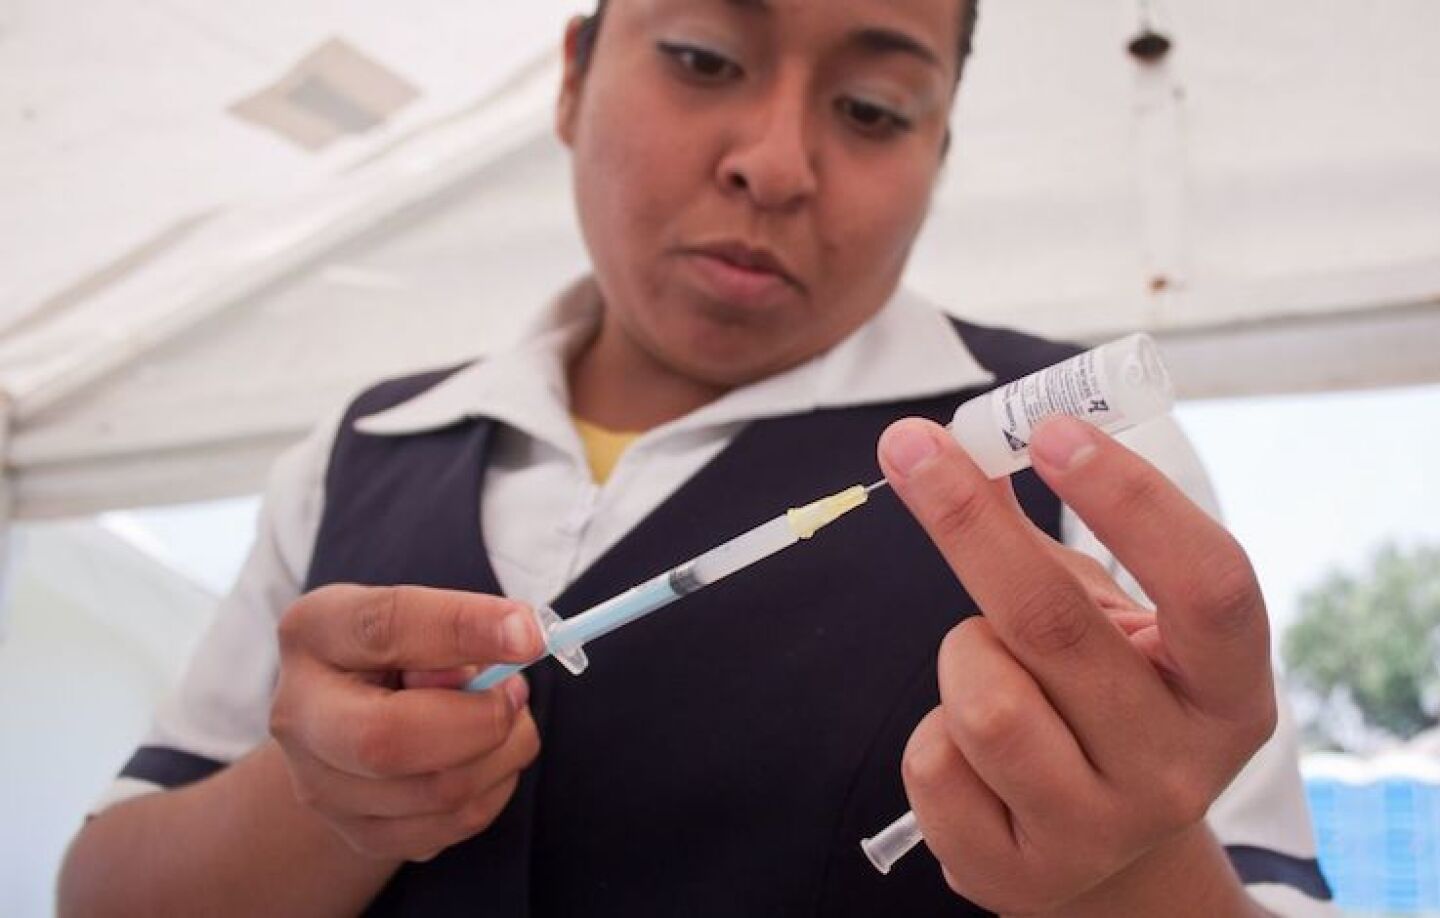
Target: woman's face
x,y
750,174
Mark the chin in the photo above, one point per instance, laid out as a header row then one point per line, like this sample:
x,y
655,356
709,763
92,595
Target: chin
x,y
722,352
730,370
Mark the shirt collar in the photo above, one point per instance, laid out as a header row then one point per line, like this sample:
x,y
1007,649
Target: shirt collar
x,y
908,350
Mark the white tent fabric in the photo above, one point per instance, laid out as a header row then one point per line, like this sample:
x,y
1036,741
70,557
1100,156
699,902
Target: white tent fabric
x,y
93,632
183,292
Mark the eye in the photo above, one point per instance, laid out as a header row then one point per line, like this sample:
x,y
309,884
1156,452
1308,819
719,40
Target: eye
x,y
700,64
871,119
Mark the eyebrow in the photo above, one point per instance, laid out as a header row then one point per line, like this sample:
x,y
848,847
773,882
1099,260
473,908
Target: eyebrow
x,y
887,41
873,40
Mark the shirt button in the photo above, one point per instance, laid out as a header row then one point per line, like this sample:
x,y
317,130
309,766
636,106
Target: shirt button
x,y
582,512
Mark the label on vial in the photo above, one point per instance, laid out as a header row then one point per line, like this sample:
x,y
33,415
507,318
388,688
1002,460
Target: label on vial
x,y
1075,387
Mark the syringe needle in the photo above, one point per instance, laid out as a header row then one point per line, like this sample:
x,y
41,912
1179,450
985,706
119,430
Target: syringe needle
x,y
872,488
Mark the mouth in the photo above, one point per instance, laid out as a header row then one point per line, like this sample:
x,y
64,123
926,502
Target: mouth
x,y
736,272
748,258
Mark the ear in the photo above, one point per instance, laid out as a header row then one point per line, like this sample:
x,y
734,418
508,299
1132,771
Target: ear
x,y
572,80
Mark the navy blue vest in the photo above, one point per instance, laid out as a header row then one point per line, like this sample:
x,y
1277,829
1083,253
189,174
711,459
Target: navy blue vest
x,y
725,756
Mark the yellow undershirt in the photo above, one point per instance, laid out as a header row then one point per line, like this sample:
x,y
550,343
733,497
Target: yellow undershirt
x,y
603,448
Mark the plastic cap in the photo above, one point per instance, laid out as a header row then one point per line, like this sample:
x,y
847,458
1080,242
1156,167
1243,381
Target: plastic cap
x,y
893,842
807,520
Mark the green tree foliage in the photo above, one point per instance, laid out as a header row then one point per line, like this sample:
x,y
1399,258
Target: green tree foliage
x,y
1374,639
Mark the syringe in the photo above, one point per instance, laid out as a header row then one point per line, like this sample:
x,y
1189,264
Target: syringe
x,y
565,638
1114,386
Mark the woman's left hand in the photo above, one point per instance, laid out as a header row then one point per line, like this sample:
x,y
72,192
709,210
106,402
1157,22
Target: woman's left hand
x,y
1081,738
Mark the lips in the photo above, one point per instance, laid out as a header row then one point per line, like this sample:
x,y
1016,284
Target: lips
x,y
742,274
748,258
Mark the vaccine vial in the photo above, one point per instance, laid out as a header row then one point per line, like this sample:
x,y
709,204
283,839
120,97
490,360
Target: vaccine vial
x,y
1114,386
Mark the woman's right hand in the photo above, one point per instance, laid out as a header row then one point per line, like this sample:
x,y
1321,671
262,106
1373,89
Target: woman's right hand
x,y
403,773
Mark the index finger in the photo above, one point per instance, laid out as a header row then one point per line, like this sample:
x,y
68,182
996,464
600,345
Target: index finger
x,y
370,731
1210,612
368,629
1037,606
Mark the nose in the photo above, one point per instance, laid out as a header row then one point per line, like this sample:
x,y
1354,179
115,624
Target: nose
x,y
772,157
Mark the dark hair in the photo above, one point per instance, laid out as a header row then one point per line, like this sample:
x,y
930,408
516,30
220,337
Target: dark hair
x,y
590,31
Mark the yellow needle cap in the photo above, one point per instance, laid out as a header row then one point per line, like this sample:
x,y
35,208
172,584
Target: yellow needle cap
x,y
807,520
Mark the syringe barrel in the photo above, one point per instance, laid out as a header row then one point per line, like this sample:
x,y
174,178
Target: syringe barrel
x,y
1114,386
615,612
742,551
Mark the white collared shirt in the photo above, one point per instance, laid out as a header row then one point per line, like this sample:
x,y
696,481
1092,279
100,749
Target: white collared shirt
x,y
545,520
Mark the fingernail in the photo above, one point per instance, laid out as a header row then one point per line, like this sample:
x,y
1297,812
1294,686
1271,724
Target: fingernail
x,y
1063,443
515,633
906,446
517,690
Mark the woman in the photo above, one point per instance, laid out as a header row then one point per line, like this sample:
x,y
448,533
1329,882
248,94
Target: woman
x,y
749,177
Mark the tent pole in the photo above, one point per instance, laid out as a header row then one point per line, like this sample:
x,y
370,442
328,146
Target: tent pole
x,y
1161,175
6,509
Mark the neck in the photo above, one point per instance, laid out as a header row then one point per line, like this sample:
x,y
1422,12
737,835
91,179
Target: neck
x,y
617,384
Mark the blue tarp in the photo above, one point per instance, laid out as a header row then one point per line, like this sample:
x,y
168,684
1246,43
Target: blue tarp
x,y
1379,843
